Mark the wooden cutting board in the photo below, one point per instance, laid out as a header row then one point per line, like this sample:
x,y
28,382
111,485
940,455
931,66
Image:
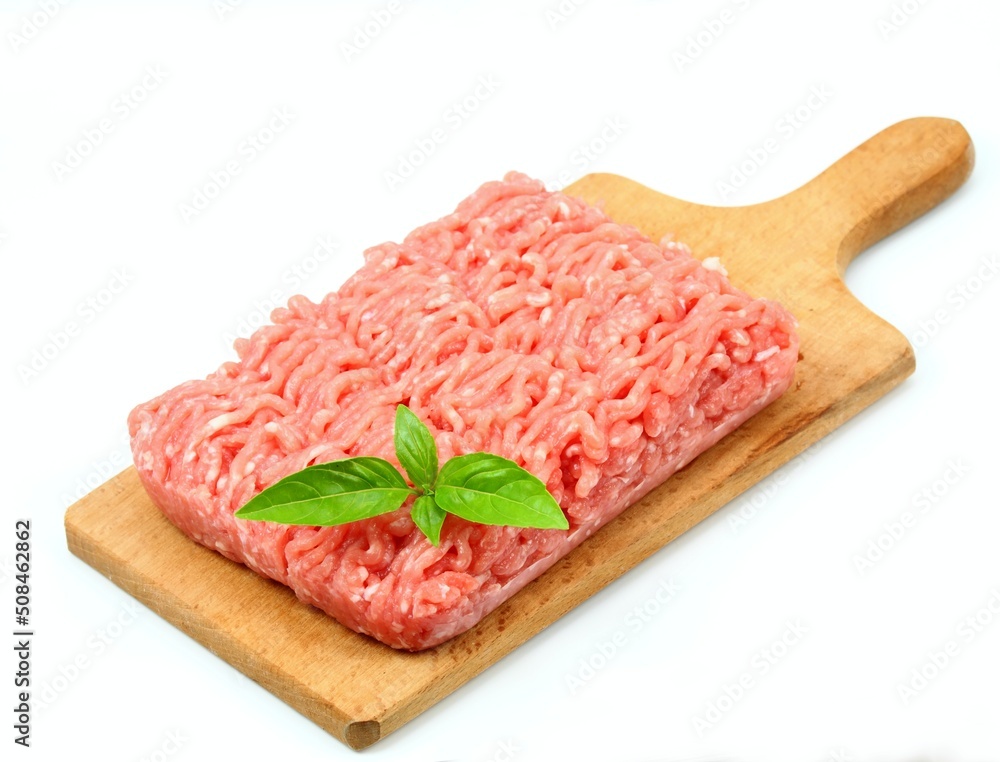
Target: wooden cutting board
x,y
793,249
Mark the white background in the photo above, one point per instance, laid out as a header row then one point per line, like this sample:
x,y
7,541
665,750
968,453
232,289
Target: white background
x,y
115,218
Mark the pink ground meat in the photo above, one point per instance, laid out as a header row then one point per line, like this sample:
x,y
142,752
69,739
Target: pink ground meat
x,y
526,324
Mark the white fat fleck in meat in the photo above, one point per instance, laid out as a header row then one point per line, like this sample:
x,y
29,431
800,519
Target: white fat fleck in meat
x,y
538,299
564,209
714,264
668,243
765,353
439,301
146,460
221,421
739,338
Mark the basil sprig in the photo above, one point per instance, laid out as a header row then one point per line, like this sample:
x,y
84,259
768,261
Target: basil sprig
x,y
479,487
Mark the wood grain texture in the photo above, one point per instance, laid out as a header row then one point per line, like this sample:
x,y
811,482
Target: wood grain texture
x,y
793,249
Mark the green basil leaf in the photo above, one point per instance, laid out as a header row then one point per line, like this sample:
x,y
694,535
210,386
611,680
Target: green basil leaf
x,y
429,518
415,448
488,489
331,493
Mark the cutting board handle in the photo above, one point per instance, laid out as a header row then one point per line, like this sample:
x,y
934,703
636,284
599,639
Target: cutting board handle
x,y
883,184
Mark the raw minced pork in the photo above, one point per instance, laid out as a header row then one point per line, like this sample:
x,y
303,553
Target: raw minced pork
x,y
526,324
